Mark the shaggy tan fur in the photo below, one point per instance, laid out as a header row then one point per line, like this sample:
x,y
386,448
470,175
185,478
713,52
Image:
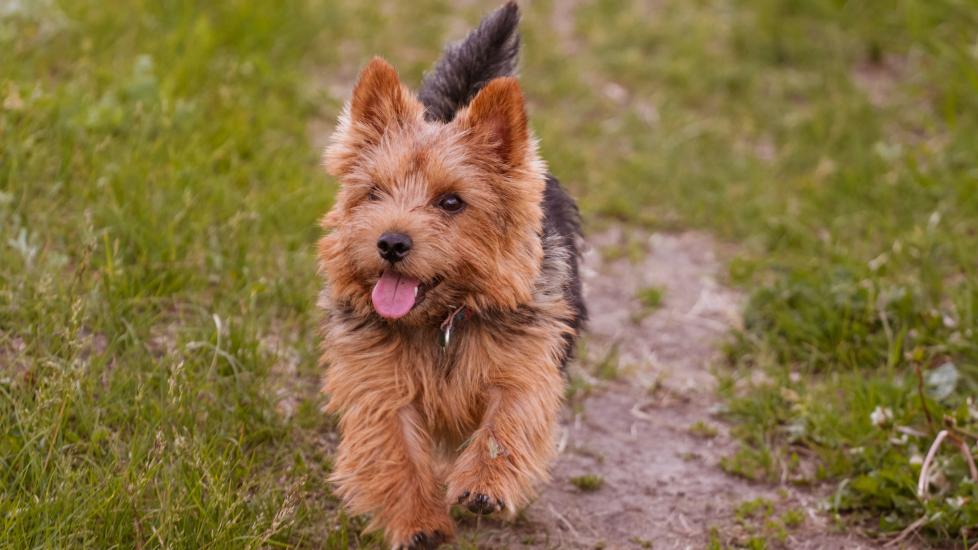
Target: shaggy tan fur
x,y
424,428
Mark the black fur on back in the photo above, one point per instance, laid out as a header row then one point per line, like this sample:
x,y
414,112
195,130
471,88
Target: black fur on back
x,y
491,51
561,217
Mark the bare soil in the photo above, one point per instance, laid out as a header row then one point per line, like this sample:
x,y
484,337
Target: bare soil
x,y
662,484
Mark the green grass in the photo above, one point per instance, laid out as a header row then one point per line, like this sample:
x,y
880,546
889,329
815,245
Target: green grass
x,y
650,297
703,430
761,523
159,196
588,482
158,199
836,142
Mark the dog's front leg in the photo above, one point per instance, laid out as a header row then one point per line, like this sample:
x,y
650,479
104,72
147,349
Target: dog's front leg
x,y
384,467
512,448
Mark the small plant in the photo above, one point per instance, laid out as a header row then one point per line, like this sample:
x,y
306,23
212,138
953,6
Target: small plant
x,y
793,518
578,387
776,529
714,543
749,463
588,482
703,430
650,298
689,456
757,508
608,367
633,250
761,525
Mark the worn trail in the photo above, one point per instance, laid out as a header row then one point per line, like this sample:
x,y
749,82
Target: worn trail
x,y
651,433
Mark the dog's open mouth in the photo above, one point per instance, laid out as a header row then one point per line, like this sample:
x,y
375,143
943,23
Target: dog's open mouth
x,y
396,294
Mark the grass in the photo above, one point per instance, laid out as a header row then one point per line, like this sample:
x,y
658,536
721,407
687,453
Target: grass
x,y
650,297
703,430
608,367
158,203
158,198
588,482
761,523
836,143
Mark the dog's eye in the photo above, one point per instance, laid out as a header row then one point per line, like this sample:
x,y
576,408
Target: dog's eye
x,y
374,194
451,203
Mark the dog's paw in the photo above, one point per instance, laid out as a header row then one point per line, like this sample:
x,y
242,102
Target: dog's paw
x,y
480,503
423,541
420,526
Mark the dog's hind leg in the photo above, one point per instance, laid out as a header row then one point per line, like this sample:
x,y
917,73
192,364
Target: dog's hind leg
x,y
384,467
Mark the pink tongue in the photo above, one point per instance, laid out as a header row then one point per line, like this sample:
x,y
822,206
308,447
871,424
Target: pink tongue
x,y
394,294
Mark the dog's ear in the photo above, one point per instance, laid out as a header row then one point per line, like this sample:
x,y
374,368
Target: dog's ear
x,y
379,102
496,118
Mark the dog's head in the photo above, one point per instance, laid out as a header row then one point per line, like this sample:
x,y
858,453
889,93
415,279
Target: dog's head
x,y
432,215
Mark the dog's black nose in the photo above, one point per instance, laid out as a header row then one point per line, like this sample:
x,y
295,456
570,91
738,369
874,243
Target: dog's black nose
x,y
394,247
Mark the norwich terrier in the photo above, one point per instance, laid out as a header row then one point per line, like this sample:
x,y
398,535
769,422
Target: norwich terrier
x,y
452,299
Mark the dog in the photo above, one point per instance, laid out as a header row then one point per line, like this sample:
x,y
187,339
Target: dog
x,y
452,300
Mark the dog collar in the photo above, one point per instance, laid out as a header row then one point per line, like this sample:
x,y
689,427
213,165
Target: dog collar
x,y
448,325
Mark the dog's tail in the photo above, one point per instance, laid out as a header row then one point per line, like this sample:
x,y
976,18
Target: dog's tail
x,y
490,51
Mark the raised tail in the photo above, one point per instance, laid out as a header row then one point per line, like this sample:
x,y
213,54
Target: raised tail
x,y
490,51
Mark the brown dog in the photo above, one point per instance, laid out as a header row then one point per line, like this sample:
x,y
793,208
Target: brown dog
x,y
452,299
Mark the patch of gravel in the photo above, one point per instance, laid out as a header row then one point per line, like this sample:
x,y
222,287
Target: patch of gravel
x,y
663,487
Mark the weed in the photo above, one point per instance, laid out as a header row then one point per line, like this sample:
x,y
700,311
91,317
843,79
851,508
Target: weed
x,y
609,366
650,297
703,430
758,508
588,482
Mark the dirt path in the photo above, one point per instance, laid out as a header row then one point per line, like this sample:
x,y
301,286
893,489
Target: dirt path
x,y
662,484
